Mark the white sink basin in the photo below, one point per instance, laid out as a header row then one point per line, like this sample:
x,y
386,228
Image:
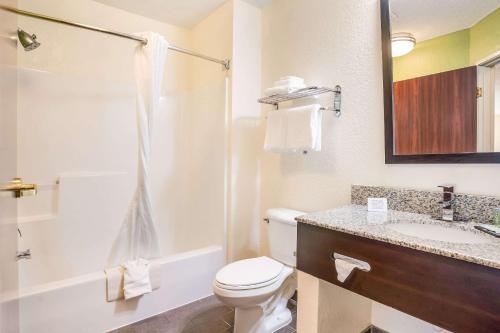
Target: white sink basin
x,y
438,233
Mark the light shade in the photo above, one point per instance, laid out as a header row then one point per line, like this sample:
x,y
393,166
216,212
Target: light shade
x,y
402,43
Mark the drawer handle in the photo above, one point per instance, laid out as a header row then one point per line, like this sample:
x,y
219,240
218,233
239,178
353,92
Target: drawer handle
x,y
345,265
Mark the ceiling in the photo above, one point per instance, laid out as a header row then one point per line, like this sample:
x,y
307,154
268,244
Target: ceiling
x,y
427,19
185,13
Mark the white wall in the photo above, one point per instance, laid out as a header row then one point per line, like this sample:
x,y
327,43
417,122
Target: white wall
x,y
77,109
338,42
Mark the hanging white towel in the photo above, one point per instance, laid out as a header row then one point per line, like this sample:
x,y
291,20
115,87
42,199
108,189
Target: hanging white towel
x,y
137,237
114,283
136,280
294,130
275,140
344,266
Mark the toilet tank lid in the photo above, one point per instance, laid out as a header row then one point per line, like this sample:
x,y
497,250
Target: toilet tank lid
x,y
284,215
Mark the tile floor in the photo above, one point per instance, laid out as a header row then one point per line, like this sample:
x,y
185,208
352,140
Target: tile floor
x,y
207,315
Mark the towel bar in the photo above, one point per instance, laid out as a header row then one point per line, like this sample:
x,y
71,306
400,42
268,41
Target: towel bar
x,y
307,92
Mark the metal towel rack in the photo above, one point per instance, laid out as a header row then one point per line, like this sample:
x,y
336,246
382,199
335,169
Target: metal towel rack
x,y
307,92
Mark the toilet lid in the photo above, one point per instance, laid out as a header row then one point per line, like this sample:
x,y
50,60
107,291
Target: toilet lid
x,y
249,272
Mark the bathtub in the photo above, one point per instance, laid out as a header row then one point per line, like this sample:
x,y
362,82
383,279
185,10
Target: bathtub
x,y
79,305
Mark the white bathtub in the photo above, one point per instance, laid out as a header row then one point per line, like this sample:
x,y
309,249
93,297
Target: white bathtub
x,y
78,305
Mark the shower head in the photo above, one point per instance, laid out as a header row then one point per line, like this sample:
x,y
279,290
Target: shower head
x,y
28,41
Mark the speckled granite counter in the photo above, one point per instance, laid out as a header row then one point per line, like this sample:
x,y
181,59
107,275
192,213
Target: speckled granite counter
x,y
356,220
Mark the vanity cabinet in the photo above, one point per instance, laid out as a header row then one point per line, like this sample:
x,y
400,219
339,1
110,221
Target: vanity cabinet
x,y
453,294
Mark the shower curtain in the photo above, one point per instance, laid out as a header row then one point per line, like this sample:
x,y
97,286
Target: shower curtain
x,y
137,237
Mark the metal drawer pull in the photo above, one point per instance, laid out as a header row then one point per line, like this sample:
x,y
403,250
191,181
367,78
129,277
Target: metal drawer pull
x,y
345,265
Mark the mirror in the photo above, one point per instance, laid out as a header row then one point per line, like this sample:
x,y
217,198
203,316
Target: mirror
x,y
442,80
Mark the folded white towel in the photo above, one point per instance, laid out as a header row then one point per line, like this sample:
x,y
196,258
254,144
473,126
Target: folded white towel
x,y
291,77
136,280
289,82
115,283
294,130
344,266
283,89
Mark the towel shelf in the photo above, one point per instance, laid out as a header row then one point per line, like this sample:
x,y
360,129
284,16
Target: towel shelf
x,y
307,92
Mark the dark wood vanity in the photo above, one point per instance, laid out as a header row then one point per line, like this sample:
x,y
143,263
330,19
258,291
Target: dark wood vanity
x,y
459,296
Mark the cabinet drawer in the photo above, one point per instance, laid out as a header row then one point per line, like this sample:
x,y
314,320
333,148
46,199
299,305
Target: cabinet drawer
x,y
453,294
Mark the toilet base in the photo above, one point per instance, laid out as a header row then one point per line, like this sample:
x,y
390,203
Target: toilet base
x,y
269,316
252,320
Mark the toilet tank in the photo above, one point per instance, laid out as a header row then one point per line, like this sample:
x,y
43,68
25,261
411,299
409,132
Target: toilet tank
x,y
282,234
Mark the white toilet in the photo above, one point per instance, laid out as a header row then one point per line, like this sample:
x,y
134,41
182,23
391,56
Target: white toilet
x,y
259,288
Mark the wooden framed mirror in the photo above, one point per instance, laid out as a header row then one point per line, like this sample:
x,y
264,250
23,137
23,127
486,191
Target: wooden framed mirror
x,y
441,80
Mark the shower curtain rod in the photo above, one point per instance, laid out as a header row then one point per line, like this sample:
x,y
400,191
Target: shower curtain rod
x,y
225,63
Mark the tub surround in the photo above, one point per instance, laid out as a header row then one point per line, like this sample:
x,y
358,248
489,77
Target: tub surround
x,y
356,220
468,207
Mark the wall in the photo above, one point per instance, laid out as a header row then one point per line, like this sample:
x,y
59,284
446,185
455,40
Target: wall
x,y
451,51
346,51
497,133
245,169
485,37
440,54
77,107
9,287
207,154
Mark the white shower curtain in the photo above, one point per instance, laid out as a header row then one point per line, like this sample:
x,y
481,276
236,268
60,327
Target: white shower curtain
x,y
138,237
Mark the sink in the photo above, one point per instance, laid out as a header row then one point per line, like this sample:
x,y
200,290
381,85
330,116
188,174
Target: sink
x,y
438,233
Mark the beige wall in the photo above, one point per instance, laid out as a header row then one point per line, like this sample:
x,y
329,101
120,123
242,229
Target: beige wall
x,y
245,128
338,42
207,155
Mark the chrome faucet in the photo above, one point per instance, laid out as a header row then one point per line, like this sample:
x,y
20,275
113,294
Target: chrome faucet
x,y
447,211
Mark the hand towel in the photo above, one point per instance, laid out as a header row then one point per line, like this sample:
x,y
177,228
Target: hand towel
x,y
136,281
294,130
344,266
114,281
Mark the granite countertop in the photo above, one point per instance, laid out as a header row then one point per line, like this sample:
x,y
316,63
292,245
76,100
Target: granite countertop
x,y
356,220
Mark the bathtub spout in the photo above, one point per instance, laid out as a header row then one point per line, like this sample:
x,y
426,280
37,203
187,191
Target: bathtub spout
x,y
26,254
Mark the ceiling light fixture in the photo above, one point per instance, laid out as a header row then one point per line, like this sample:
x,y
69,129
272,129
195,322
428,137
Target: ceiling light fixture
x,y
402,43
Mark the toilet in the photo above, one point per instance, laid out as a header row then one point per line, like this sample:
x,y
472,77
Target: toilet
x,y
259,288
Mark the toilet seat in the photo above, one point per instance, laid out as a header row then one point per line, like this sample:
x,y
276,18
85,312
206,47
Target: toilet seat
x,y
249,274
